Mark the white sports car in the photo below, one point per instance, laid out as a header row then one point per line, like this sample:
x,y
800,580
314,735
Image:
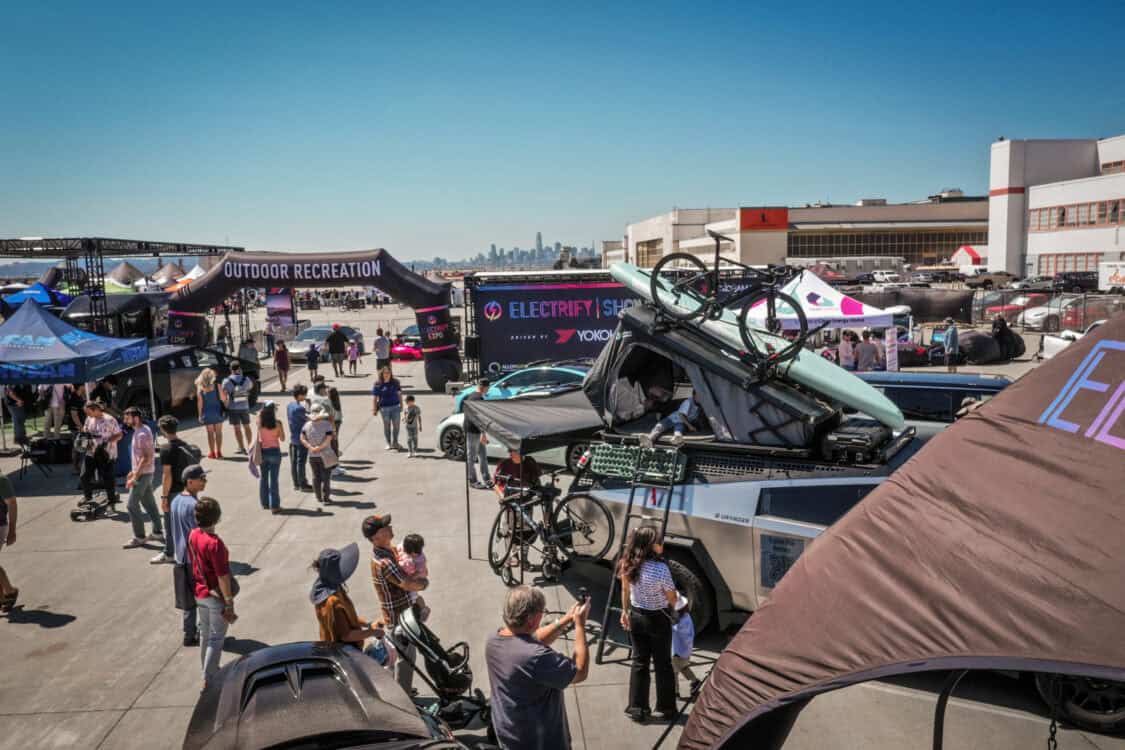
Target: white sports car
x,y
451,442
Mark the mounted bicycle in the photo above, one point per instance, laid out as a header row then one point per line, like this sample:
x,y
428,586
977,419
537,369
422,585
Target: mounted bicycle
x,y
578,527
684,288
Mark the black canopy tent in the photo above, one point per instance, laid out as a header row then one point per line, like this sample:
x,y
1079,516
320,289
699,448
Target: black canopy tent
x,y
531,424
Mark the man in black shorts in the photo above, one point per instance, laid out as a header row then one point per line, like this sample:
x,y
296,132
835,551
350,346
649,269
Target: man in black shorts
x,y
337,347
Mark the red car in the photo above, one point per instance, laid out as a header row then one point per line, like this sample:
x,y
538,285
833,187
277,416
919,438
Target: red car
x,y
1016,305
407,351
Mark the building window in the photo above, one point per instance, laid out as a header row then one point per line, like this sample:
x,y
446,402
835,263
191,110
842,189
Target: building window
x,y
649,252
1114,213
1103,211
1113,167
919,246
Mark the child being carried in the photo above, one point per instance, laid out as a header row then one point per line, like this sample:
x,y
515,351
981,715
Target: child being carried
x,y
412,560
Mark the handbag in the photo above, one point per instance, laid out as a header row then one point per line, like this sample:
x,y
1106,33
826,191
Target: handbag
x,y
184,585
328,456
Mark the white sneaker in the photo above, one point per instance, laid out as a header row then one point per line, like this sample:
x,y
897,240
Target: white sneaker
x,y
161,559
388,447
133,543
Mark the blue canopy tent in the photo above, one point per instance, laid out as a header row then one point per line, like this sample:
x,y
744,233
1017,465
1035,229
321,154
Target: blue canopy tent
x,y
38,293
38,348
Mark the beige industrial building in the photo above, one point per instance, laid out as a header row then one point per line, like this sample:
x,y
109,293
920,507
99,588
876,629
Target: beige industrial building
x,y
921,233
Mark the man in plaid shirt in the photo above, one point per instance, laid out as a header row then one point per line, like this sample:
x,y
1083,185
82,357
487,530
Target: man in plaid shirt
x,y
393,586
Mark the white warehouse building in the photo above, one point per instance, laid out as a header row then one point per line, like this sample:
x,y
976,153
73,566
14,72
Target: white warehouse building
x,y
1056,205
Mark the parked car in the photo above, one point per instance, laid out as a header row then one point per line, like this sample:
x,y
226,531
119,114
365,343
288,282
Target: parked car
x,y
1036,283
451,442
933,397
1076,281
299,346
174,370
405,351
1084,310
310,695
1052,344
540,379
1046,317
886,277
991,280
922,277
1011,309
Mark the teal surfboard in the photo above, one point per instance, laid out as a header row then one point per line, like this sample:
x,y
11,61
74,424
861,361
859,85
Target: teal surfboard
x,y
807,369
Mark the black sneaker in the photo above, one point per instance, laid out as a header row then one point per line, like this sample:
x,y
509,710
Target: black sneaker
x,y
639,715
191,640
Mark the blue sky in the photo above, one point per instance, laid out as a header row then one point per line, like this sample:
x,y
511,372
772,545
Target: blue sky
x,y
439,128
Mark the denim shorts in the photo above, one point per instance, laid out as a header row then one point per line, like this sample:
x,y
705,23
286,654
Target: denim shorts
x,y
238,417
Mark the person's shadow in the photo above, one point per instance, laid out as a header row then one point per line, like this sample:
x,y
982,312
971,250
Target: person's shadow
x,y
20,615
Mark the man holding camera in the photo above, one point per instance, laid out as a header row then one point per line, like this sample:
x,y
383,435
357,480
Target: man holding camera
x,y
528,677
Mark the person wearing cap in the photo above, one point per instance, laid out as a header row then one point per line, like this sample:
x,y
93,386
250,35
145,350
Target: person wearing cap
x,y
476,454
180,525
393,587
102,455
214,587
337,347
316,436
139,481
952,343
335,611
236,396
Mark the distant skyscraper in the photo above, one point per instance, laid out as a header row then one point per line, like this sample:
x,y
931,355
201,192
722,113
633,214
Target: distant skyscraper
x,y
538,243
558,247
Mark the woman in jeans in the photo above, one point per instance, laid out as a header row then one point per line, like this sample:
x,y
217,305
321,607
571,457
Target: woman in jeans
x,y
271,434
316,435
388,403
214,587
647,592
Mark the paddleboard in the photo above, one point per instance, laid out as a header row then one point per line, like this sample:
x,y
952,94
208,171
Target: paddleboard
x,y
807,369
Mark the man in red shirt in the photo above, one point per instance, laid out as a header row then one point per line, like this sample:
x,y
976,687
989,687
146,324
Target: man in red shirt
x,y
516,472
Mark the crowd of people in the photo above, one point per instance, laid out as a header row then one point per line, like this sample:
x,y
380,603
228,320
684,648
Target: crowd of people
x,y
168,505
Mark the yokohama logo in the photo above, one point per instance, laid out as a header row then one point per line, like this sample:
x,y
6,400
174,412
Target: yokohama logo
x,y
585,335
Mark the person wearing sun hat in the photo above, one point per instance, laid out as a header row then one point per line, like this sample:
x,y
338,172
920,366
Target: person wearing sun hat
x,y
316,436
334,609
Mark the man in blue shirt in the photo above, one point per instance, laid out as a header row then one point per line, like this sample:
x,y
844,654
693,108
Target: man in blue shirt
x,y
952,345
298,454
181,522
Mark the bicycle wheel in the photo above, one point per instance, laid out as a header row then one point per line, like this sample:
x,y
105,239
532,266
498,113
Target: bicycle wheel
x,y
773,325
583,527
502,537
681,285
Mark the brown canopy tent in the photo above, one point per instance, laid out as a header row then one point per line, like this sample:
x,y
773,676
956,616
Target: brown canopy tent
x,y
999,546
125,273
168,273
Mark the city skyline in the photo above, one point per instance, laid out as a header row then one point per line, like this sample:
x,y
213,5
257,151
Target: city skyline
x,y
341,127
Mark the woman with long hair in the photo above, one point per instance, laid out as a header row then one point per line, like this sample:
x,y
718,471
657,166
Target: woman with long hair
x,y
271,433
388,403
210,406
281,364
647,592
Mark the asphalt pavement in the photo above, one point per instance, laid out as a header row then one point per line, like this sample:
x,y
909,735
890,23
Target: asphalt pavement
x,y
92,657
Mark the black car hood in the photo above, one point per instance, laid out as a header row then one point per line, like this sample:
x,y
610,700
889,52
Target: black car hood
x,y
284,693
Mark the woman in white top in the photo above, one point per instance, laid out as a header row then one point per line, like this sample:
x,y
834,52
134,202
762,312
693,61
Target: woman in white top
x,y
647,592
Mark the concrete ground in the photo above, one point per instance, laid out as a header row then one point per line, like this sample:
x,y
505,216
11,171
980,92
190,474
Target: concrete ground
x,y
92,657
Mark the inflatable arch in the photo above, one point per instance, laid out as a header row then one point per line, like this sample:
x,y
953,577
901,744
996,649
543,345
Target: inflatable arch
x,y
188,306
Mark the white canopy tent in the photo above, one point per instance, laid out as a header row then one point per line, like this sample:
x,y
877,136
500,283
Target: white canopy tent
x,y
824,306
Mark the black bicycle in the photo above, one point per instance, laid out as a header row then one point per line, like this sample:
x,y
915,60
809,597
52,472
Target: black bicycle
x,y
577,527
685,289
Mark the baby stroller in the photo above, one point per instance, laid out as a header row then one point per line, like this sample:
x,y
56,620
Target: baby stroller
x,y
447,673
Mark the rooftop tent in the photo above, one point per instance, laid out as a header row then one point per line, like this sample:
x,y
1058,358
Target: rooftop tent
x,y
824,306
528,425
36,347
124,274
896,586
739,407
